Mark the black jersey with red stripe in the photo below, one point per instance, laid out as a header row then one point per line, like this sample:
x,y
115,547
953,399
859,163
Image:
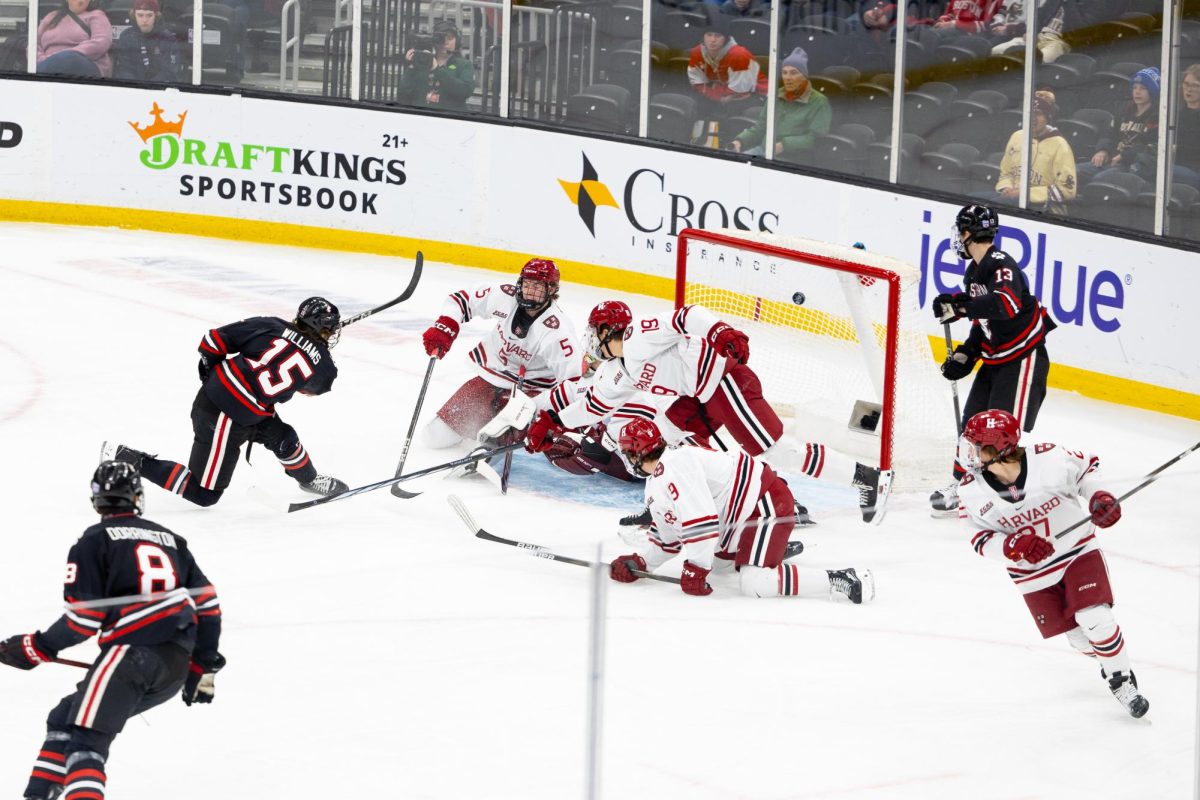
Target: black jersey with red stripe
x,y
132,581
261,362
1009,320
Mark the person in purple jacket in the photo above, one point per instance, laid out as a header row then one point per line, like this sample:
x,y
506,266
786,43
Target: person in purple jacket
x,y
74,40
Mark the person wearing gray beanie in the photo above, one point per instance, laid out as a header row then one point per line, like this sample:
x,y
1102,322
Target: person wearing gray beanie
x,y
801,114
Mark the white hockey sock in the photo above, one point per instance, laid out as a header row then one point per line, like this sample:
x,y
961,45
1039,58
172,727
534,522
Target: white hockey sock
x,y
810,458
1104,633
1080,642
438,434
786,580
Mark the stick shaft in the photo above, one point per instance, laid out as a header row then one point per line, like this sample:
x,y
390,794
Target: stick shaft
x,y
407,293
412,429
509,456
953,384
541,552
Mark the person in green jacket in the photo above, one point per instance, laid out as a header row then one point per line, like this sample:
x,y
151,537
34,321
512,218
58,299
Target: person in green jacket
x,y
440,78
801,114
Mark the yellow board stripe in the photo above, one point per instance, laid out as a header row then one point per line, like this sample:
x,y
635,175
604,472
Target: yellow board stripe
x,y
1090,384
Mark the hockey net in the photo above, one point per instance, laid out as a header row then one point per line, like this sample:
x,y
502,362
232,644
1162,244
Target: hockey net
x,y
836,337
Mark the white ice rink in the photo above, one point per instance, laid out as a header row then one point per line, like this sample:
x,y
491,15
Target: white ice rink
x,y
377,650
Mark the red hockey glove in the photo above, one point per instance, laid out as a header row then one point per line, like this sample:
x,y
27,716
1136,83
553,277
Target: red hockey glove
x,y
694,580
199,687
623,566
1027,547
730,342
23,652
542,432
1105,509
440,336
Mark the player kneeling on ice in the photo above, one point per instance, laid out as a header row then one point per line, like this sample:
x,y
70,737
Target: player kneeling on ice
x,y
135,585
728,508
247,368
530,340
1013,502
702,362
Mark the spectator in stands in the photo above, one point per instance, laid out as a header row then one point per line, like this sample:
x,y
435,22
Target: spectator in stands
x,y
147,51
439,77
746,8
878,17
723,73
75,40
1187,130
1010,21
1135,147
801,114
1052,178
968,16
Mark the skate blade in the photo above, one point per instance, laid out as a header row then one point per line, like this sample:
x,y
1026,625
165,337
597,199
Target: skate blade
x,y
107,451
868,585
938,513
885,492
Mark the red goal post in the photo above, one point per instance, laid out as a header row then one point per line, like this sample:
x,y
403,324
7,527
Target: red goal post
x,y
836,336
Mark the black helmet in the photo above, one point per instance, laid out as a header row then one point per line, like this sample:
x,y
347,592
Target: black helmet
x,y
116,488
980,222
320,318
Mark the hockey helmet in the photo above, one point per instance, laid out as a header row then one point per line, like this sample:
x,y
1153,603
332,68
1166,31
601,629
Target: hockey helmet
x,y
981,224
319,318
997,429
538,269
612,314
639,440
116,488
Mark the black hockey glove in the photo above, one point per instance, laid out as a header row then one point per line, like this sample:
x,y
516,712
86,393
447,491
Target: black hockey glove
x,y
198,687
203,368
957,366
23,651
949,307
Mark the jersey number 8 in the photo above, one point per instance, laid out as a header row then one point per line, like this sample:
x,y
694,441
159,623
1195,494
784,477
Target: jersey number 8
x,y
155,570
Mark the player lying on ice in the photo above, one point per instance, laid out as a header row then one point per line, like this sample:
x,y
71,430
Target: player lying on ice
x,y
1013,502
701,362
723,509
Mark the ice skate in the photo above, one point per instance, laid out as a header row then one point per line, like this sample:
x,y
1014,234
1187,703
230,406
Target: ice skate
x,y
1125,689
467,469
633,528
111,451
325,485
944,502
874,488
802,517
849,584
793,549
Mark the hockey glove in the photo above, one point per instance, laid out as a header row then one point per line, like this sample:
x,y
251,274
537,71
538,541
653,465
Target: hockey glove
x,y
198,687
546,426
203,368
1027,547
23,651
623,567
730,342
440,336
694,580
1105,508
949,307
957,366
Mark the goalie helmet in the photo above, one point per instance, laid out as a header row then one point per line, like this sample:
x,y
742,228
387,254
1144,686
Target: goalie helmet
x,y
997,429
319,318
538,269
116,488
614,315
641,439
981,224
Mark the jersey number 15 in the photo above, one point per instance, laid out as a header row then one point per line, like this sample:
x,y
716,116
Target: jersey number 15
x,y
282,379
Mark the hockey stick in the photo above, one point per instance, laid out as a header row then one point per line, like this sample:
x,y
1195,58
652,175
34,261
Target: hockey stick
x,y
370,487
407,293
70,663
412,428
508,456
534,549
1151,478
953,384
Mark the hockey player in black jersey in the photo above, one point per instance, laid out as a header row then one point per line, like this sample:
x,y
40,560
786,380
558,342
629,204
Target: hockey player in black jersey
x,y
1008,333
247,368
136,586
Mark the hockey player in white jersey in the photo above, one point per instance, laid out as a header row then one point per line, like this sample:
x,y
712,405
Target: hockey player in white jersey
x,y
1013,502
530,337
723,510
700,361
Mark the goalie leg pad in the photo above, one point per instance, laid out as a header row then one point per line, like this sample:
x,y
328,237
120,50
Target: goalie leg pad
x,y
438,435
474,405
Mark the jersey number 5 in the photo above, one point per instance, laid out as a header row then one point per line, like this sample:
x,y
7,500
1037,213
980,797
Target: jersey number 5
x,y
156,573
283,379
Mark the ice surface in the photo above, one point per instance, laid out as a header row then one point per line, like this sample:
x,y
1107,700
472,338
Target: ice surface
x,y
376,649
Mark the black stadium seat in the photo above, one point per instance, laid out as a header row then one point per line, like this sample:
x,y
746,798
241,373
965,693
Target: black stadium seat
x,y
671,117
600,107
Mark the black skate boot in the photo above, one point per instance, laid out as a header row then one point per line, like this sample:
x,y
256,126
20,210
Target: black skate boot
x,y
848,583
944,502
793,549
640,518
111,451
324,485
802,517
1125,689
874,488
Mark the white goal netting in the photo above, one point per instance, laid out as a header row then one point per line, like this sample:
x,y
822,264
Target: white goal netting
x,y
835,334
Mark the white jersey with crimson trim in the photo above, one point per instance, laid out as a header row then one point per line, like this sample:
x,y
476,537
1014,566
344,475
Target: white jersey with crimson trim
x,y
1055,480
640,406
549,351
699,498
667,355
